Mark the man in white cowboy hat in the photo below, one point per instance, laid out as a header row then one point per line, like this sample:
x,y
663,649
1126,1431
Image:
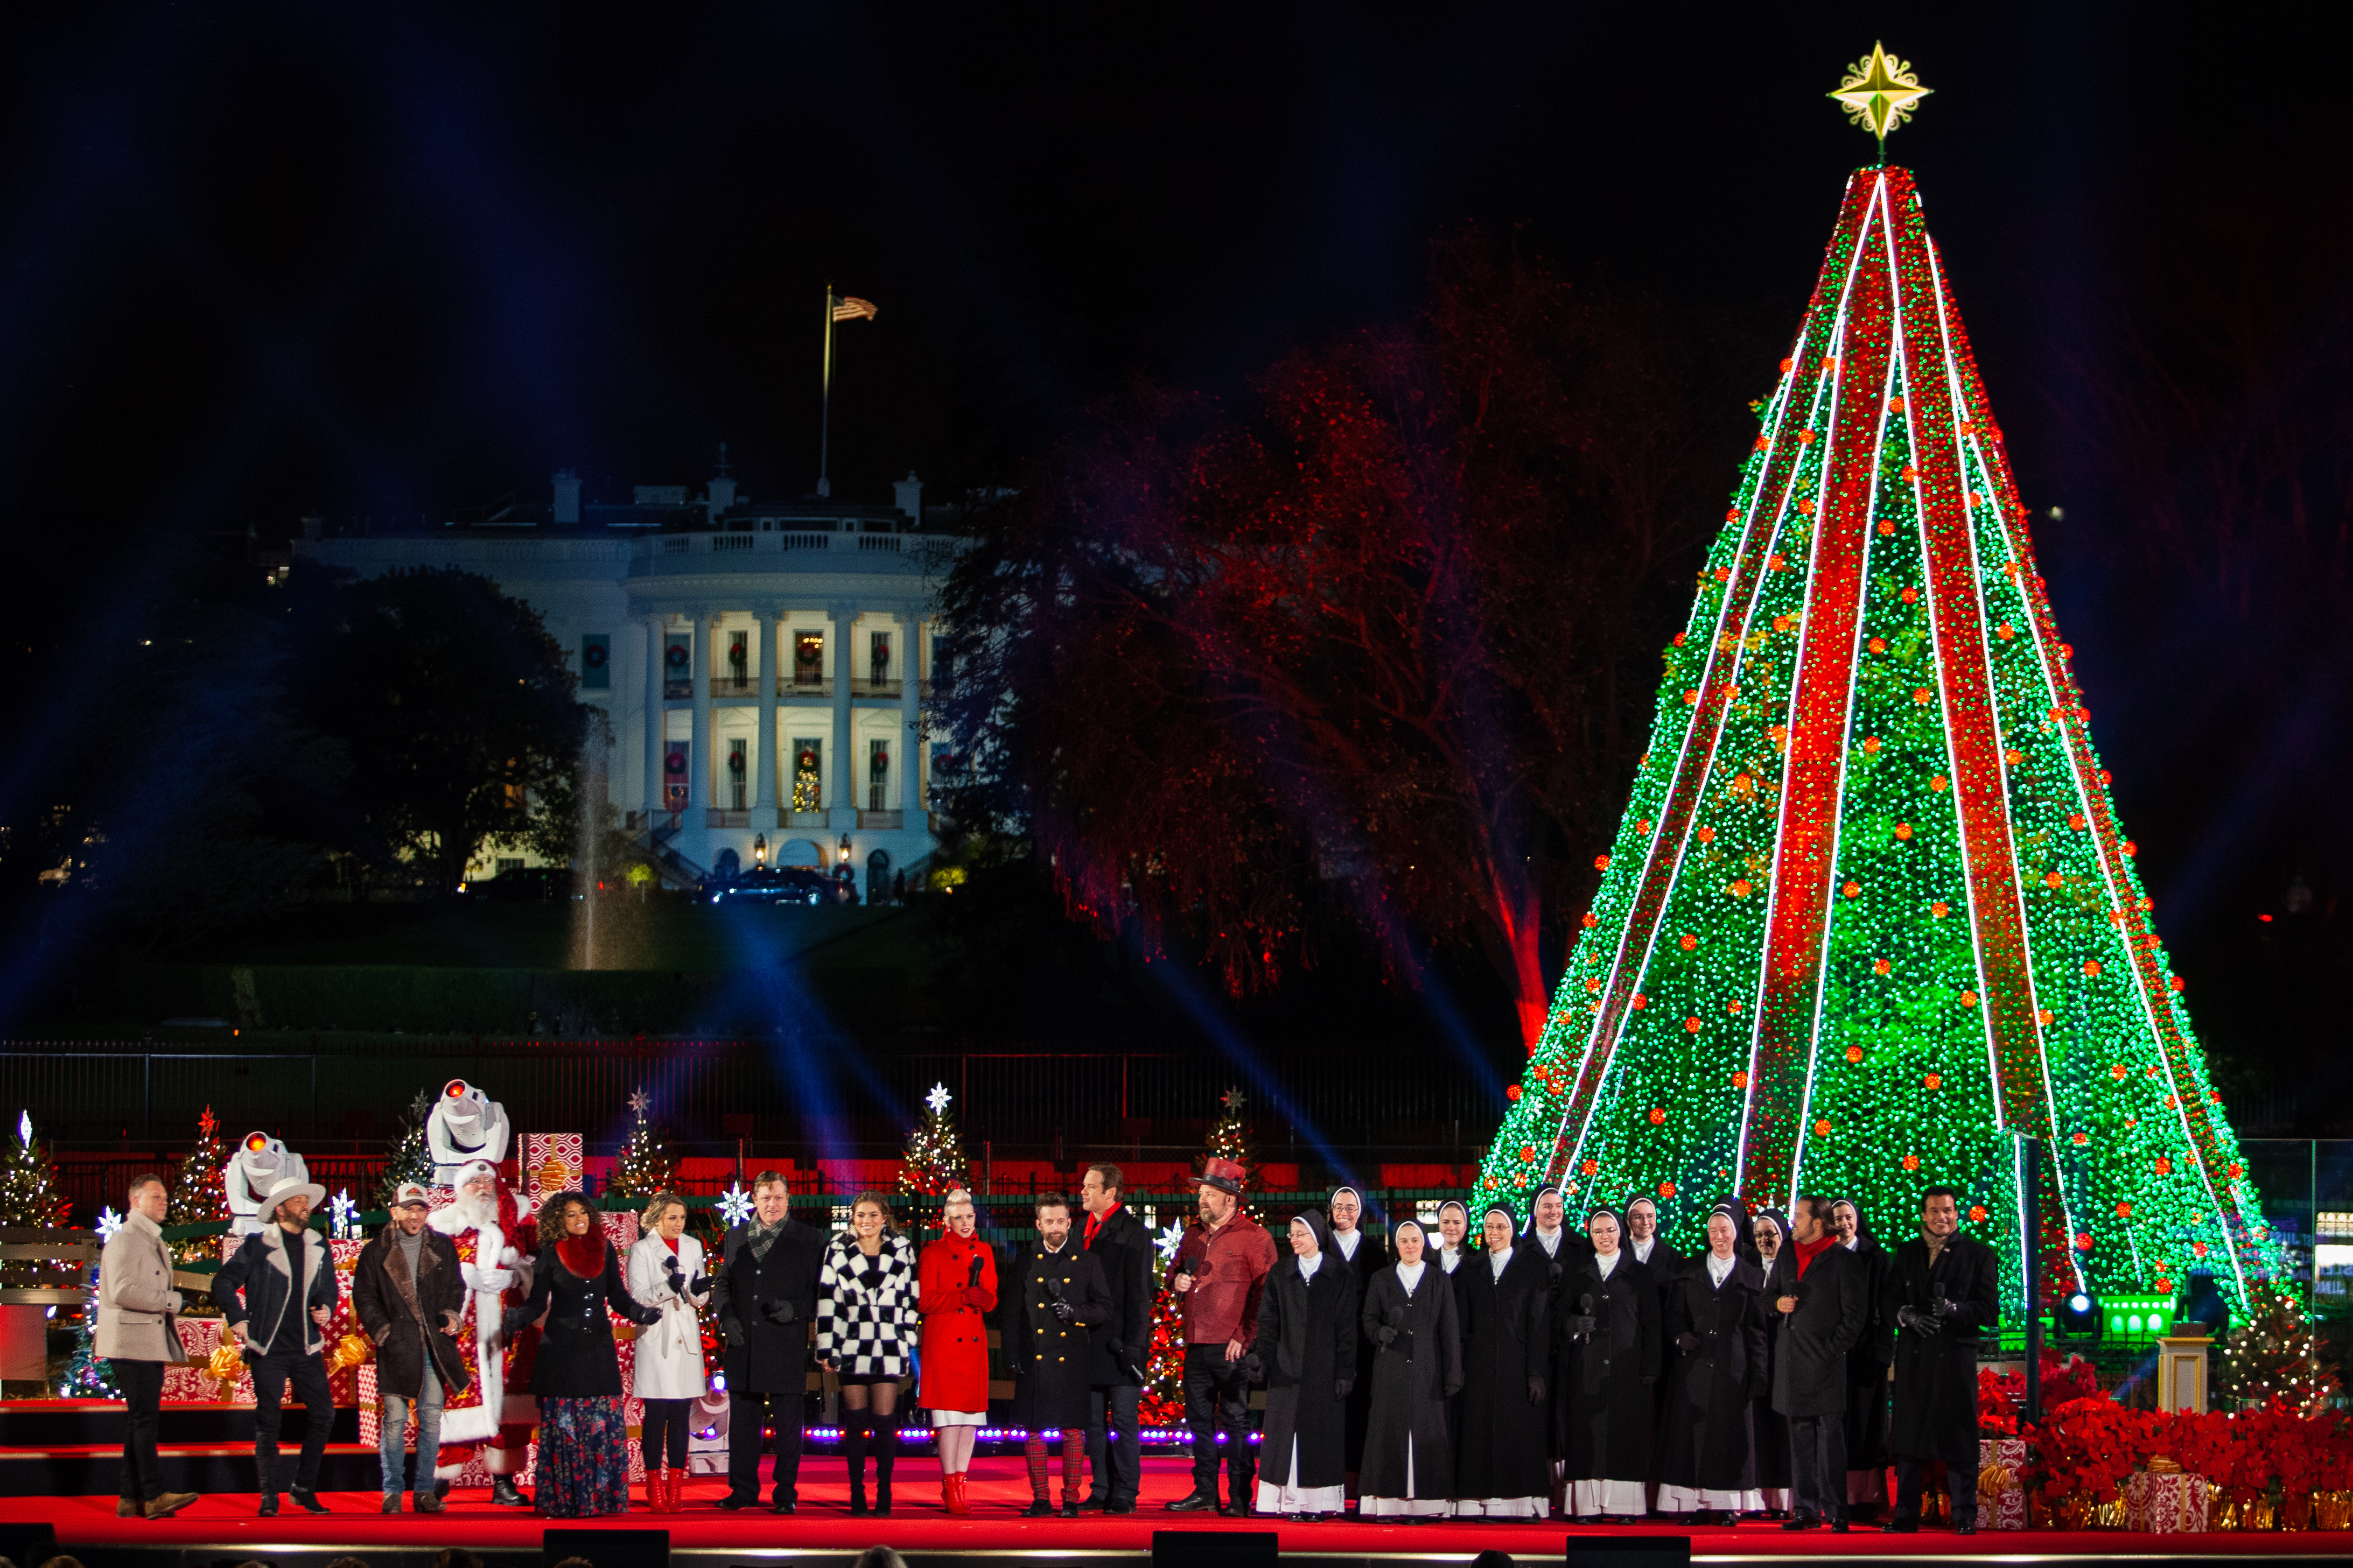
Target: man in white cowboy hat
x,y
495,1242
277,1291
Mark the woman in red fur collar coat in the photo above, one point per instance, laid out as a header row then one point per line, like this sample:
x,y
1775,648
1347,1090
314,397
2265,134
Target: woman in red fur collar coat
x,y
955,1286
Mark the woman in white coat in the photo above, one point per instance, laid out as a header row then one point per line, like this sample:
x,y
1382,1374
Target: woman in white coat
x,y
666,1273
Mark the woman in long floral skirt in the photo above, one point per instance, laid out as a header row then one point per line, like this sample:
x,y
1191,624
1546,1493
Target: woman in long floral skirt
x,y
584,1438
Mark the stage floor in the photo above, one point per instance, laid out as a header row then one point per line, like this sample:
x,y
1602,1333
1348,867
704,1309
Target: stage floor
x,y
222,1529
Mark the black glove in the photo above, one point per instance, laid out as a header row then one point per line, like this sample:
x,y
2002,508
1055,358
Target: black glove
x,y
1687,1342
1342,1387
669,1265
698,1285
1535,1391
1944,1309
1061,1304
1917,1321
780,1310
1254,1368
1578,1327
730,1331
1385,1335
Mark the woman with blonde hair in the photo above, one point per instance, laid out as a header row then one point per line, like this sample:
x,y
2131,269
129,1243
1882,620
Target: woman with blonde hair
x,y
666,1273
866,1332
958,1284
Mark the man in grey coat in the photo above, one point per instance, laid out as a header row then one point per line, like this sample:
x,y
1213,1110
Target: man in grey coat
x,y
139,1334
1824,1299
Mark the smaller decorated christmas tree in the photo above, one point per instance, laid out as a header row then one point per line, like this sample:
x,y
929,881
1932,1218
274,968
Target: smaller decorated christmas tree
x,y
86,1373
412,1157
1163,1403
2275,1354
933,1162
198,1196
646,1164
29,1198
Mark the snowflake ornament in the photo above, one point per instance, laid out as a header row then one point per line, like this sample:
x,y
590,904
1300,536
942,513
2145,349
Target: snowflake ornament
x,y
343,1216
638,1101
735,1204
938,1100
1171,1239
109,1222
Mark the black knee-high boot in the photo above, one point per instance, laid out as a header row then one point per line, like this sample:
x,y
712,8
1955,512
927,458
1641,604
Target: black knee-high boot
x,y
886,1454
853,1444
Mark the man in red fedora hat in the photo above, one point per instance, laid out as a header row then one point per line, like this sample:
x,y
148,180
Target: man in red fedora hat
x,y
1221,1271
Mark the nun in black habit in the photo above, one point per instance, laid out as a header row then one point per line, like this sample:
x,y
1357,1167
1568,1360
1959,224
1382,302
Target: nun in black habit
x,y
1608,1318
1306,1349
1769,1429
1408,1315
1866,1370
1715,1320
1500,1467
1353,1249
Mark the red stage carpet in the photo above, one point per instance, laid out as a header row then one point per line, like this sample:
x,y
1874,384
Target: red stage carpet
x,y
225,1525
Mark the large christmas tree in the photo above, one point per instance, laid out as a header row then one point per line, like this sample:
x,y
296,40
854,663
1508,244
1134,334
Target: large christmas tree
x,y
1869,920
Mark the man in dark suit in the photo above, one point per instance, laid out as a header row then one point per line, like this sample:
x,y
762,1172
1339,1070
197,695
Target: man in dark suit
x,y
1822,1296
1117,1354
1942,1294
765,1298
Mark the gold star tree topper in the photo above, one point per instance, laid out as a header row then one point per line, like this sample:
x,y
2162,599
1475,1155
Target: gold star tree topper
x,y
1880,93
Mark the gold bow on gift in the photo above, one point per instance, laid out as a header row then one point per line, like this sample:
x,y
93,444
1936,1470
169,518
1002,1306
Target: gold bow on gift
x,y
1996,1479
349,1352
223,1365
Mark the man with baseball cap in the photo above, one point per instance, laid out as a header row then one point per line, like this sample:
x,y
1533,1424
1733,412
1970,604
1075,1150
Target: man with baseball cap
x,y
277,1291
410,1298
1221,1271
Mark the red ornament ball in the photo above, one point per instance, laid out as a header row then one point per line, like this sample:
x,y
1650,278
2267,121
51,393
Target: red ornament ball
x,y
1511,1091
1657,1116
1977,1213
1666,1189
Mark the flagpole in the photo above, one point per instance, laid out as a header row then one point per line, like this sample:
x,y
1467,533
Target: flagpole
x,y
825,419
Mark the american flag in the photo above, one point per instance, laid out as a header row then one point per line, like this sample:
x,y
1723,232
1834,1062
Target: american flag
x,y
850,307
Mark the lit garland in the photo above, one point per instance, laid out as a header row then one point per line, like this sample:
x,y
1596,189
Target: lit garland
x,y
1868,908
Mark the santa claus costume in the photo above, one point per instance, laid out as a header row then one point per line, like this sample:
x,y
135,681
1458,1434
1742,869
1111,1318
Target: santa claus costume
x,y
496,1243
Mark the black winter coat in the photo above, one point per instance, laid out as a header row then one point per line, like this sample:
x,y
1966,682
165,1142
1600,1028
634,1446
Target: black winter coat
x,y
1936,1407
1372,1257
405,1317
1047,1356
1705,1444
1866,1366
1831,1318
1306,1346
577,1358
1500,1451
765,1356
262,1267
1413,1378
1769,1429
1116,1354
1607,1376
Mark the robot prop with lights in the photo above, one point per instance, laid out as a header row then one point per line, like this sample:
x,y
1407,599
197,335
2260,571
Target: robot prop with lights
x,y
467,1133
259,1163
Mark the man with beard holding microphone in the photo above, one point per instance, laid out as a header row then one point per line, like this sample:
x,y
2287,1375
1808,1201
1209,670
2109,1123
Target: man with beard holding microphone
x,y
1824,1298
1221,1271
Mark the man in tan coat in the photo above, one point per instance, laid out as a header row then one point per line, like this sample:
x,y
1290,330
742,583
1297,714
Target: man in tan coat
x,y
139,1335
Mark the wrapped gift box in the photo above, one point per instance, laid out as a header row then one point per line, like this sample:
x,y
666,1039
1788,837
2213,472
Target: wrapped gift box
x,y
553,1162
2174,1504
2004,1508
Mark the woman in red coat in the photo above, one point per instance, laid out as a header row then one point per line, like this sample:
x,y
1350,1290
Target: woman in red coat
x,y
956,1290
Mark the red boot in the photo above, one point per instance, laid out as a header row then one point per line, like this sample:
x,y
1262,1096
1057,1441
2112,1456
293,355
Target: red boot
x,y
674,1486
953,1487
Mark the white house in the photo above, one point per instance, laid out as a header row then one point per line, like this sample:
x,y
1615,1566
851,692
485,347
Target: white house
x,y
763,665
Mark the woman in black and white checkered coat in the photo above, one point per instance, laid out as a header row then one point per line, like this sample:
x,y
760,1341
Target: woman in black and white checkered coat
x,y
866,1333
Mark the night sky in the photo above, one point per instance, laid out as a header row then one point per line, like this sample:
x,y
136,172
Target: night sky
x,y
269,259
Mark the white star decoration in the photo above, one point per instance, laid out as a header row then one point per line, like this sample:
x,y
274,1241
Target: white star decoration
x,y
1232,1099
938,1099
735,1204
1171,1239
345,1221
25,1128
638,1102
109,1222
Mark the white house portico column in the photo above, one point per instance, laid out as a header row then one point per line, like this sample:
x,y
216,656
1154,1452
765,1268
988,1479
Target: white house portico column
x,y
698,756
907,763
844,815
763,769
654,709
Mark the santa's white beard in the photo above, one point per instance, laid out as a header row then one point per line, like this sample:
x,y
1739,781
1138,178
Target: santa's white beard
x,y
478,1211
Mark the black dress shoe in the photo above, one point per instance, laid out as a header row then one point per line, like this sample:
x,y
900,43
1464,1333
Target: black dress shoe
x,y
308,1501
269,1508
1838,1527
506,1494
1802,1521
1090,1503
1124,1505
1193,1502
1070,1511
1235,1510
1039,1508
735,1504
784,1505
1966,1527
1900,1525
